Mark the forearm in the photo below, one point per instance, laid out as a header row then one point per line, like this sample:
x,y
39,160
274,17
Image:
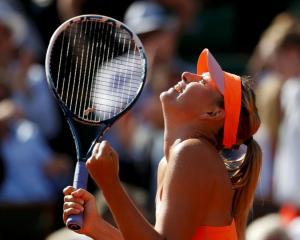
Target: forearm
x,y
130,221
105,231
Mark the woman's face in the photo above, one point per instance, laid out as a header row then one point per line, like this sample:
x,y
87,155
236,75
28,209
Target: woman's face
x,y
193,97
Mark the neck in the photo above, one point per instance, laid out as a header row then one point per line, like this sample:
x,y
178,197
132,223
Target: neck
x,y
175,133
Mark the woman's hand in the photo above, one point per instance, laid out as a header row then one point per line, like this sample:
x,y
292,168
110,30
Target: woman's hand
x,y
103,165
80,200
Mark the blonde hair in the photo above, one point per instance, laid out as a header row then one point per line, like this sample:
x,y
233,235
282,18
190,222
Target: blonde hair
x,y
244,178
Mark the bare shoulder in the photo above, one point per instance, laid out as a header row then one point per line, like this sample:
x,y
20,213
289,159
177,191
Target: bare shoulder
x,y
195,152
196,178
202,163
196,162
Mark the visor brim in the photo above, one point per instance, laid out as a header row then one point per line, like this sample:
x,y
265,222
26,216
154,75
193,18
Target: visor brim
x,y
207,63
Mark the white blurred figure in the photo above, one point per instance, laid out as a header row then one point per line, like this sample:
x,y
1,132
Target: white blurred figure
x,y
20,70
33,174
269,227
293,229
286,164
284,149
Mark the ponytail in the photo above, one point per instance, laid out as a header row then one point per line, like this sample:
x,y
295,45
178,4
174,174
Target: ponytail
x,y
245,186
243,160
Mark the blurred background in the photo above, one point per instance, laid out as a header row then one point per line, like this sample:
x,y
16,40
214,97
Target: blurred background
x,y
260,39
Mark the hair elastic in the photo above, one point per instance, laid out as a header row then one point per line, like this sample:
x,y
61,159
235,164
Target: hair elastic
x,y
248,141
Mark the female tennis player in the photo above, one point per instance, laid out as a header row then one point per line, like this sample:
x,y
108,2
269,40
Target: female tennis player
x,y
201,195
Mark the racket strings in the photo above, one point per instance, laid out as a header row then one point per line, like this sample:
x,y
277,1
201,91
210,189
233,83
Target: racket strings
x,y
99,69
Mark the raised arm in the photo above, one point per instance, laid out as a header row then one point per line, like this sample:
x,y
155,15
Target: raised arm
x,y
188,185
103,167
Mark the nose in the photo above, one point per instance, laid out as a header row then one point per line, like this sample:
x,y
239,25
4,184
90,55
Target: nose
x,y
190,77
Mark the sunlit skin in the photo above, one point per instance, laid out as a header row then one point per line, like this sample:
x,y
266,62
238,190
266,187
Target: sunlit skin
x,y
190,102
193,185
193,92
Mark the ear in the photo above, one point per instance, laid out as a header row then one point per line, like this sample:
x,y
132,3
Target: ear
x,y
216,114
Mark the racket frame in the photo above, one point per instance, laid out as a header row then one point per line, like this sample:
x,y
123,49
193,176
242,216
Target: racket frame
x,y
75,222
104,19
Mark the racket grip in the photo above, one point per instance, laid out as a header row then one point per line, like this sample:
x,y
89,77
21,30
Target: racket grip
x,y
74,222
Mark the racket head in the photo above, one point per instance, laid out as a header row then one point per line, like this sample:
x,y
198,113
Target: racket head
x,y
96,67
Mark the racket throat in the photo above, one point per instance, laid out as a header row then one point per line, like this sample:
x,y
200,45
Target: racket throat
x,y
85,137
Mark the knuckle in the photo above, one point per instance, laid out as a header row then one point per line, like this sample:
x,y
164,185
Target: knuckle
x,y
66,198
88,162
105,144
68,190
66,206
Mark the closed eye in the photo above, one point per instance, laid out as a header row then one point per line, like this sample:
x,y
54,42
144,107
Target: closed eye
x,y
203,81
184,79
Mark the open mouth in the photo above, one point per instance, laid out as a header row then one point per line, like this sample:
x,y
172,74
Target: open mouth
x,y
179,87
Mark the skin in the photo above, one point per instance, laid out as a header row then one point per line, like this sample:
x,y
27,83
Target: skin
x,y
193,186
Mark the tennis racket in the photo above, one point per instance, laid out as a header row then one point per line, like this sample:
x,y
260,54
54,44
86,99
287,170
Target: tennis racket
x,y
96,67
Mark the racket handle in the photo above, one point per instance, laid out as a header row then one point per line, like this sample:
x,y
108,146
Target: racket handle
x,y
74,222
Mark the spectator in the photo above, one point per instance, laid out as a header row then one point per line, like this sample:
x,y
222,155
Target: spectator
x,y
33,174
26,78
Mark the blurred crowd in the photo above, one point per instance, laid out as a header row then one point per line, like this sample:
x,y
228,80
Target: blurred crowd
x,y
37,153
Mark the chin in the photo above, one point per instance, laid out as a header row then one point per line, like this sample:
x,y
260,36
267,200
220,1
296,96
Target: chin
x,y
165,97
169,99
171,93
